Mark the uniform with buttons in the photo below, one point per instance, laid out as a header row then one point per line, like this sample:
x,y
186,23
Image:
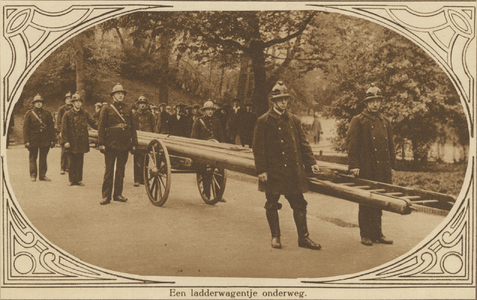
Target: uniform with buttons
x,y
281,149
144,121
40,135
117,132
74,130
208,128
371,150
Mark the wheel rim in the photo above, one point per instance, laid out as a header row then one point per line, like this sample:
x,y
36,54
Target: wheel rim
x,y
157,172
215,185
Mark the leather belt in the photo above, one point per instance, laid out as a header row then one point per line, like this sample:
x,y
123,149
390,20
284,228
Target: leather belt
x,y
119,125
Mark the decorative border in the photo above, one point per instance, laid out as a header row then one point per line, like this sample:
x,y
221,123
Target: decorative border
x,y
447,34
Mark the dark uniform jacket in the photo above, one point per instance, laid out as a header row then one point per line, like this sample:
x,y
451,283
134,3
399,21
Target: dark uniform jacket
x,y
113,132
235,120
74,130
38,134
61,112
163,122
371,147
206,128
178,127
249,120
281,149
144,121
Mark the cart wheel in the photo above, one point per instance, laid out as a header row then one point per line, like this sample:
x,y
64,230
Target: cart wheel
x,y
157,172
211,182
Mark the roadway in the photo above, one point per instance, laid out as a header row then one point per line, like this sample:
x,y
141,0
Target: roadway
x,y
187,237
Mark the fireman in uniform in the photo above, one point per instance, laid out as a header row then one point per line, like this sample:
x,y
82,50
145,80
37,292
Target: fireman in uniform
x,y
75,139
144,121
282,153
371,155
38,136
207,127
116,137
61,112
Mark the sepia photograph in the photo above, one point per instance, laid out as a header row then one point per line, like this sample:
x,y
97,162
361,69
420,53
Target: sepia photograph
x,y
238,150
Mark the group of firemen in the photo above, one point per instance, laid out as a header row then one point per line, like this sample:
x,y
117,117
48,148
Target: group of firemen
x,y
236,121
281,150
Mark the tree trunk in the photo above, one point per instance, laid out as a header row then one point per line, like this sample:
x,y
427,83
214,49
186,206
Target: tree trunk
x,y
79,65
163,72
242,79
221,82
259,98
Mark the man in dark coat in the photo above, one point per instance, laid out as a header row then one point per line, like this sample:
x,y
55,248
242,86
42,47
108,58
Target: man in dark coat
x,y
371,155
144,121
59,118
38,136
234,126
249,120
281,153
116,137
162,119
75,139
178,122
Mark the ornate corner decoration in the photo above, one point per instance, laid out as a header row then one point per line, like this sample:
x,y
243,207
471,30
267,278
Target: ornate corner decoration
x,y
32,34
445,259
447,34
29,259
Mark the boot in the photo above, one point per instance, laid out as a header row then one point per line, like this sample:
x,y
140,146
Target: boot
x,y
274,223
302,229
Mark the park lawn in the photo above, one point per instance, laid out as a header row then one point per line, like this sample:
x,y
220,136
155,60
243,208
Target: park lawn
x,y
446,182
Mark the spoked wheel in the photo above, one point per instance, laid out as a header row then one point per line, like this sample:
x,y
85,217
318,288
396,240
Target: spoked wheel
x,y
157,172
211,182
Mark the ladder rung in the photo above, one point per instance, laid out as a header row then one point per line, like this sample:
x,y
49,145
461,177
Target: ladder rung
x,y
394,194
377,191
411,197
346,183
362,186
425,201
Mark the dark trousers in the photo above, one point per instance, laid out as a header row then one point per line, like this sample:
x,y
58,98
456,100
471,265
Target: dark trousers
x,y
369,219
64,159
297,201
112,157
75,173
206,178
42,166
138,167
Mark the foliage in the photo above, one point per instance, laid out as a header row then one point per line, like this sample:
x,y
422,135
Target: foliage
x,y
413,85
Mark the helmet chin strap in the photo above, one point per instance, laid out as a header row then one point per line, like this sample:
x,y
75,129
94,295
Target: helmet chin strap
x,y
277,107
115,99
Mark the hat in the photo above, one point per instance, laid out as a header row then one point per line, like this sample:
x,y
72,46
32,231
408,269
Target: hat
x,y
76,97
68,95
118,88
37,98
162,104
208,105
196,106
248,104
279,90
153,107
373,93
141,99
